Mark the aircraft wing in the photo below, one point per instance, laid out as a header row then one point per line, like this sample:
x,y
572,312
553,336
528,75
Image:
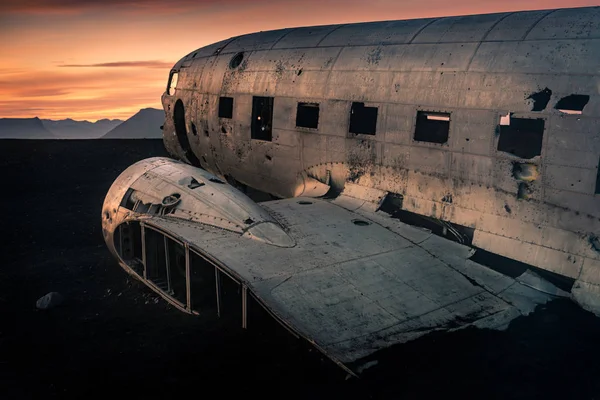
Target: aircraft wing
x,y
353,280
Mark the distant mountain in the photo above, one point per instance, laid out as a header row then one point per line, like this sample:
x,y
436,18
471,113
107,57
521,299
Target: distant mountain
x,y
70,129
143,125
24,128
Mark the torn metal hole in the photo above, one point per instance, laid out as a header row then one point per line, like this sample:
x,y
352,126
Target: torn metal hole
x,y
304,202
195,184
194,130
249,221
360,222
540,99
572,104
524,192
216,180
171,199
525,172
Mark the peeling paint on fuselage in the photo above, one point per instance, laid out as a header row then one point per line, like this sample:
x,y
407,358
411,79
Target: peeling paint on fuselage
x,y
533,210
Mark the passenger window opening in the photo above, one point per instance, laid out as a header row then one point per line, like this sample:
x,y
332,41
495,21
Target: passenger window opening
x,y
262,118
202,284
165,264
128,244
432,127
226,107
172,83
236,60
363,120
307,115
522,137
572,104
229,298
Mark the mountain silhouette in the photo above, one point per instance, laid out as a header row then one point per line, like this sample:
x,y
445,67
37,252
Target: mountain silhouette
x,y
24,128
71,129
143,125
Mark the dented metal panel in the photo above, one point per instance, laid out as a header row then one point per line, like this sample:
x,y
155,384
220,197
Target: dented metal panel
x,y
519,165
348,279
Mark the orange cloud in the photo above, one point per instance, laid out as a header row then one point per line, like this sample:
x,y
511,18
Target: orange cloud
x,y
92,39
143,64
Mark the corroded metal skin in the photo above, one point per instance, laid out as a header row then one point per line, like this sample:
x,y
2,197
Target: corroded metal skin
x,y
344,276
484,72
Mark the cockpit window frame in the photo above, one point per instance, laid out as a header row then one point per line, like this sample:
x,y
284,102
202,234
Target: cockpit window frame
x,y
170,87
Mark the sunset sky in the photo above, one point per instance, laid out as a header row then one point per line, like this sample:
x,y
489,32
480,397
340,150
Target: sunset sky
x,y
109,58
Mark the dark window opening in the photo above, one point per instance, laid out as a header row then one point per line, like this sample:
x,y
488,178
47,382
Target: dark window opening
x,y
177,274
157,263
165,264
432,127
141,207
262,118
363,119
307,115
172,83
236,60
225,107
127,200
540,99
203,288
523,137
597,191
128,243
572,104
230,298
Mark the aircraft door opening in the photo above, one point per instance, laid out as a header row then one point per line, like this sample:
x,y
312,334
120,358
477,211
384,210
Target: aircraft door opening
x,y
182,134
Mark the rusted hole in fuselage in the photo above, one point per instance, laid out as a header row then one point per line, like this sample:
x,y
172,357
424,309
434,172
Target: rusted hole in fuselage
x,y
195,184
525,172
268,157
540,99
572,104
507,208
223,129
216,180
524,191
171,199
194,130
249,221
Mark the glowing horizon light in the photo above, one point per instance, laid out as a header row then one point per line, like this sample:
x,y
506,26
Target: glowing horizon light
x,y
91,61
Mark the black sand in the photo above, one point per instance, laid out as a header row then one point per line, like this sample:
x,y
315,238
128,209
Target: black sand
x,y
113,337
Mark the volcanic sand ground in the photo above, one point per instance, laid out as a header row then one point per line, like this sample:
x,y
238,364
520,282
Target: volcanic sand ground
x,y
114,337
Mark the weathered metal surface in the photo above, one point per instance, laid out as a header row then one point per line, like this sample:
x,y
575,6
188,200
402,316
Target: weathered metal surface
x,y
351,281
489,73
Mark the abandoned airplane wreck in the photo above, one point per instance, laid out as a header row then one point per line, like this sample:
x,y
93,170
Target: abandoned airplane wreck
x,y
484,129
